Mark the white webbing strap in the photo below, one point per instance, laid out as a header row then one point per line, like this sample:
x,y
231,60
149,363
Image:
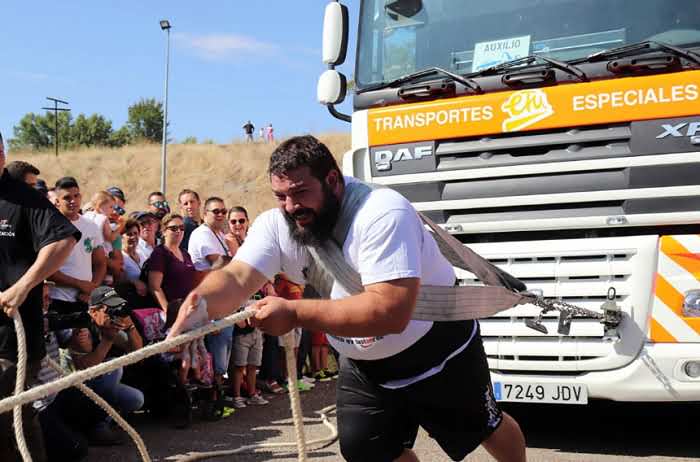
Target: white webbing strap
x,y
434,303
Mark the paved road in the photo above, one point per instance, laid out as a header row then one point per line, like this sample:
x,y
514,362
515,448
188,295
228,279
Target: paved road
x,y
598,432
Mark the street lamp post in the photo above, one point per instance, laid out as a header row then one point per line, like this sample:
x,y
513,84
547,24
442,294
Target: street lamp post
x,y
165,25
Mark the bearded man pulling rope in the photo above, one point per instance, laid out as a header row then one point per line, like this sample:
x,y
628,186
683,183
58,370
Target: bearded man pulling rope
x,y
399,351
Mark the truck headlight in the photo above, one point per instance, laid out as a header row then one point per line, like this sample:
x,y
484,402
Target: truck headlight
x,y
691,304
692,369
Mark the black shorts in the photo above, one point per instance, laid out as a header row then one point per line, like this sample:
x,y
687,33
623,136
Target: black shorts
x,y
456,407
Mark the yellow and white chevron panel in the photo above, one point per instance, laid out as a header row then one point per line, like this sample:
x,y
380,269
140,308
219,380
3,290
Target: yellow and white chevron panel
x,y
678,271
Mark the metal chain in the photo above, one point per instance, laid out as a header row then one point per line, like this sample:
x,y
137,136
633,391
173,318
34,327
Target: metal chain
x,y
550,304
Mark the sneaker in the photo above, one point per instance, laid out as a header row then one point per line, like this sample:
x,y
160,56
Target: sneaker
x,y
257,400
239,402
331,374
273,387
321,376
308,380
304,386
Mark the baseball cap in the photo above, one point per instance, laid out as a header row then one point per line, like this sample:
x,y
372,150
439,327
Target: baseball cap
x,y
116,192
105,295
141,216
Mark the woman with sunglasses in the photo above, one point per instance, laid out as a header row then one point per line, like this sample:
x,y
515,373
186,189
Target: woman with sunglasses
x,y
171,274
237,228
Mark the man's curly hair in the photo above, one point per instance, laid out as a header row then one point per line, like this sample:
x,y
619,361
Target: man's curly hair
x,y
303,151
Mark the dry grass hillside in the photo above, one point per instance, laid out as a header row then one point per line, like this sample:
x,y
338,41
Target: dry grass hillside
x,y
235,172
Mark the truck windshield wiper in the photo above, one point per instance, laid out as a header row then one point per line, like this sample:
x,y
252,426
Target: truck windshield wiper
x,y
424,73
641,47
531,61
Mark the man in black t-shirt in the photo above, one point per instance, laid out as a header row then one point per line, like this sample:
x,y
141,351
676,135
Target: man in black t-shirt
x,y
248,128
35,239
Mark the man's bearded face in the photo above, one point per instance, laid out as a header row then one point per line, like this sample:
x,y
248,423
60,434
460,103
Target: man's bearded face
x,y
318,225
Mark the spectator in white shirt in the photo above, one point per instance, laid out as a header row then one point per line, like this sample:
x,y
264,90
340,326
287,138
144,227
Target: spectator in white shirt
x,y
207,246
86,266
208,241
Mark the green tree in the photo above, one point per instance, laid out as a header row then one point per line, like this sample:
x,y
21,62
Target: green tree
x,y
95,130
37,131
146,120
190,140
120,137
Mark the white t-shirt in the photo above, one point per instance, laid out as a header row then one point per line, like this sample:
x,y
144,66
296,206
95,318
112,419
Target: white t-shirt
x,y
203,242
144,249
386,241
132,269
99,221
79,263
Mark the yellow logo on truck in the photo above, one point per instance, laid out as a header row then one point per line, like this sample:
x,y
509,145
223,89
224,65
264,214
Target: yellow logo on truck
x,y
573,105
525,108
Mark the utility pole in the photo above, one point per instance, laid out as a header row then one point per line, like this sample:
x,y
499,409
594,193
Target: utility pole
x,y
56,110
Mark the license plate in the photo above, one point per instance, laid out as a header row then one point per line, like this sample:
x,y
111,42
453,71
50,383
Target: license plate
x,y
540,393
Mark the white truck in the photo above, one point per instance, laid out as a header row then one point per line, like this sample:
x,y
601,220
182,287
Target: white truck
x,y
559,139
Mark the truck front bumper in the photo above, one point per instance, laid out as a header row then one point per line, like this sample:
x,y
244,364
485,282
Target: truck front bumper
x,y
656,374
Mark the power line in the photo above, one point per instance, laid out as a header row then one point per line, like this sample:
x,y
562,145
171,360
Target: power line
x,y
56,110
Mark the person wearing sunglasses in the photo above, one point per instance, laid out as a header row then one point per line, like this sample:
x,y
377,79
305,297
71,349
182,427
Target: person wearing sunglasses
x,y
171,273
208,246
237,228
158,205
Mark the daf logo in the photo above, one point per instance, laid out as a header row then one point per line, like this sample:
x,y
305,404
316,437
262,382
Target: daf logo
x,y
384,158
682,129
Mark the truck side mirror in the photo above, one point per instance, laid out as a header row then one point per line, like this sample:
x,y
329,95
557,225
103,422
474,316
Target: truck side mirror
x,y
335,33
332,87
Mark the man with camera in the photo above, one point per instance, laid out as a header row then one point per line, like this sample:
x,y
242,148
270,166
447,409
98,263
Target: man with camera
x,y
112,333
35,239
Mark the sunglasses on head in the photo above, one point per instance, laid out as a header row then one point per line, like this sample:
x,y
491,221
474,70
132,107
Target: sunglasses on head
x,y
240,221
175,228
219,211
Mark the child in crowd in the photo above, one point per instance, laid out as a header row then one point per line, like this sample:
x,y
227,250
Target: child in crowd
x,y
102,215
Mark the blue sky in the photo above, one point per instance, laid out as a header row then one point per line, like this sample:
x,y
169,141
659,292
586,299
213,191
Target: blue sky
x,y
230,61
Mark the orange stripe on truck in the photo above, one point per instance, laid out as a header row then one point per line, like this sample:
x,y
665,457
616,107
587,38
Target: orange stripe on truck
x,y
658,334
571,105
683,257
669,295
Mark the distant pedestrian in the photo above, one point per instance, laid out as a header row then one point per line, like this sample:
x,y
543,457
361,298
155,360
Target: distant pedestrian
x,y
262,134
249,129
270,133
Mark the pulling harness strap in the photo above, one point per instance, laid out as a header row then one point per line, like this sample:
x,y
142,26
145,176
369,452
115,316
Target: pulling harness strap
x,y
435,303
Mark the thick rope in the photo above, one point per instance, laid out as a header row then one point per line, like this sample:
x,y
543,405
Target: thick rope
x,y
193,456
86,374
77,378
294,401
87,391
19,386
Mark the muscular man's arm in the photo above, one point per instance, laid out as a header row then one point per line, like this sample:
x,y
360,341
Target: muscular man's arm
x,y
49,259
224,290
62,279
383,308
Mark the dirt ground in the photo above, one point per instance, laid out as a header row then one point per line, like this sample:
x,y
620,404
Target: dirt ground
x,y
601,431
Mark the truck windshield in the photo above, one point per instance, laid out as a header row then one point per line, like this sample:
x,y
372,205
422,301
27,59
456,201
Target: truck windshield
x,y
398,37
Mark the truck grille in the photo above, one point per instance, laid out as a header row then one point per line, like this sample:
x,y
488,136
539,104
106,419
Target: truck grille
x,y
578,272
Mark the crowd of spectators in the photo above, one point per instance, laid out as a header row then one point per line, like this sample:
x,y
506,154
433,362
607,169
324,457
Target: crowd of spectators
x,y
117,291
